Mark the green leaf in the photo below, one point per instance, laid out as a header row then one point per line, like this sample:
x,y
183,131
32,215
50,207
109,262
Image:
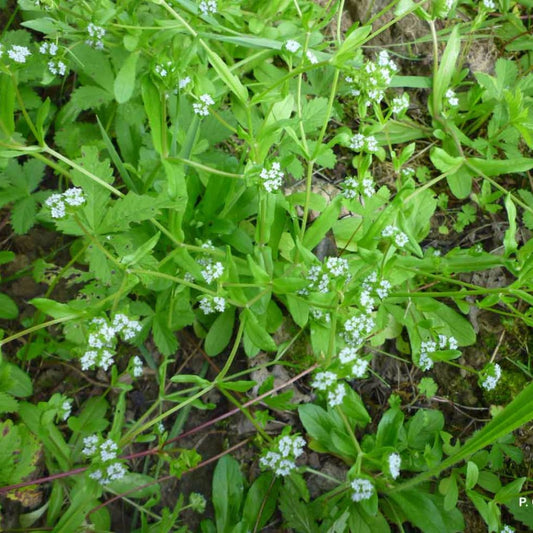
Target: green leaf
x,y
426,511
23,215
7,119
472,474
220,332
132,480
141,251
154,112
446,69
509,240
94,63
8,308
190,378
256,332
497,167
260,502
175,172
82,99
228,490
164,339
19,452
239,386
55,309
509,491
125,80
83,498
225,74
8,404
297,514
352,42
459,179
323,224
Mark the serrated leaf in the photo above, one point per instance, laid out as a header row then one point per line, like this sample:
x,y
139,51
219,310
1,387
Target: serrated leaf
x,y
314,114
55,309
8,404
82,99
164,339
23,215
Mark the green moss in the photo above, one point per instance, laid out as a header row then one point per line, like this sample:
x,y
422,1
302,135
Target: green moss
x,y
510,385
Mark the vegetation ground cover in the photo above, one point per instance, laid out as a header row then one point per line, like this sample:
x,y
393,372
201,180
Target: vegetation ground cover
x,y
266,266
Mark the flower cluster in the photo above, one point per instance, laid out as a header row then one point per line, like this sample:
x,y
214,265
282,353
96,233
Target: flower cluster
x,y
318,314
353,187
212,304
55,66
212,270
360,143
164,69
202,107
394,461
321,276
136,367
507,529
58,203
451,98
399,237
489,4
373,79
292,46
373,289
281,458
363,489
357,328
103,454
102,340
272,179
18,54
311,57
96,35
208,7
400,104
61,405
490,376
425,362
183,82
348,356
328,382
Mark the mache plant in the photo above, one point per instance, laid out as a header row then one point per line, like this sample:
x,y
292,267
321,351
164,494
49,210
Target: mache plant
x,y
177,144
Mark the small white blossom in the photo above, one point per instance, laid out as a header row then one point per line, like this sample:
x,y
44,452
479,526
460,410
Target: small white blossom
x,y
66,408
212,271
164,69
183,82
115,471
347,355
74,197
452,98
359,143
96,35
324,380
202,107
208,7
489,4
272,178
219,304
108,450
126,327
400,238
400,104
336,395
311,57
137,367
281,458
210,305
425,362
48,48
90,445
492,375
57,203
18,54
57,68
395,462
507,529
337,266
292,46
363,489
359,368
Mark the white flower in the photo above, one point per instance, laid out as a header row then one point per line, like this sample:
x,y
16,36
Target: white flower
x,y
336,395
400,104
292,46
311,57
202,107
164,69
90,445
507,529
220,304
363,489
183,82
74,196
273,178
56,205
425,362
48,48
212,271
137,368
395,462
359,368
359,142
57,68
489,4
66,408
452,98
400,238
324,380
18,54
96,34
208,7
281,458
337,266
125,326
115,471
108,450
347,355
492,375
209,305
